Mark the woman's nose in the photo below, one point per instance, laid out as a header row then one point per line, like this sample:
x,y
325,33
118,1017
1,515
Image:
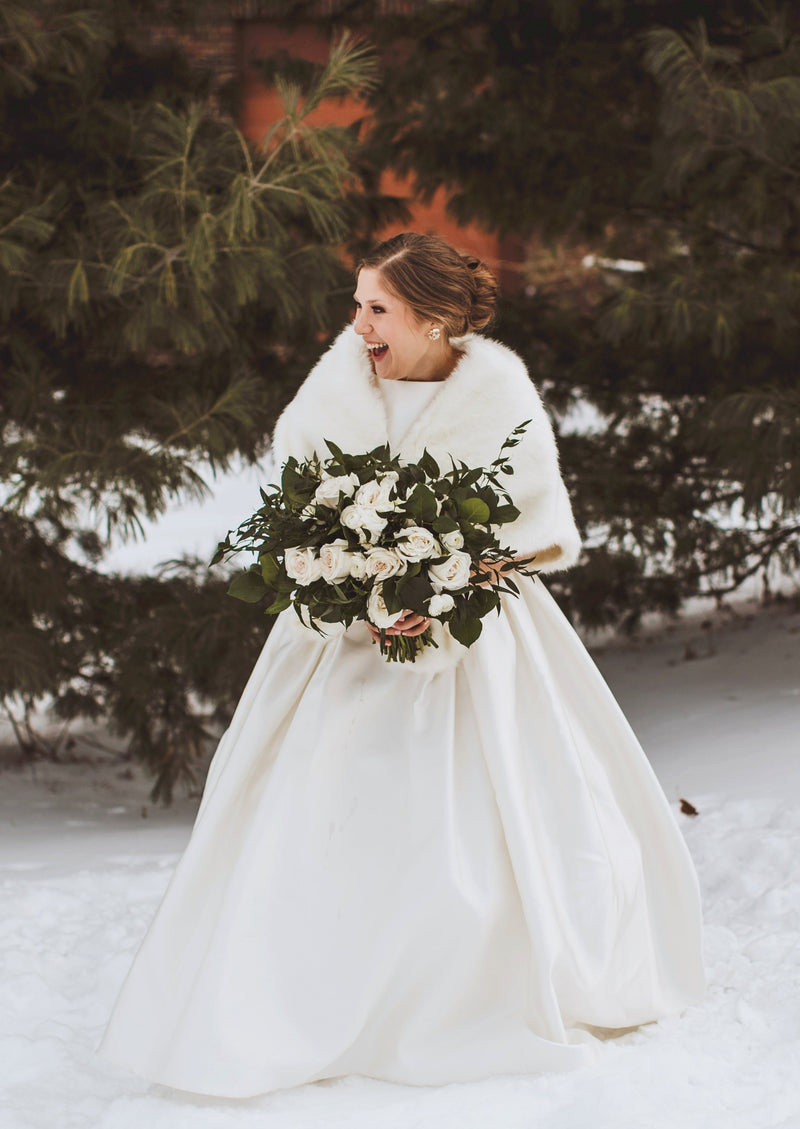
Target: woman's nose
x,y
361,321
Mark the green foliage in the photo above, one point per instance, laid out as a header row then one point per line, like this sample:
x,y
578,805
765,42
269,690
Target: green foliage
x,y
163,287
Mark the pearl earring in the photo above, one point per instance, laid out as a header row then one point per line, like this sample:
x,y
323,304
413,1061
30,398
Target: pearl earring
x,y
435,333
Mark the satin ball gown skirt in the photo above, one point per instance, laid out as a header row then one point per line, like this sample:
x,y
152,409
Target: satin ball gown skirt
x,y
421,874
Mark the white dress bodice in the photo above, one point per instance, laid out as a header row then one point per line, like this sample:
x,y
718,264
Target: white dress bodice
x,y
404,401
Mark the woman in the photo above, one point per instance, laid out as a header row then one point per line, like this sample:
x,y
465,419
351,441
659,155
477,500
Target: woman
x,y
426,873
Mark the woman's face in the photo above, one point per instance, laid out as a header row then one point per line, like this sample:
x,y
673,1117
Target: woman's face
x,y
398,342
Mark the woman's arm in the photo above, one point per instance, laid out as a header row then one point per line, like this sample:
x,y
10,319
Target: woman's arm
x,y
545,556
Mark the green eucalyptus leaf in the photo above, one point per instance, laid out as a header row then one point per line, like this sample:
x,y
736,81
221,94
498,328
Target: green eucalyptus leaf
x,y
429,464
484,599
445,524
421,503
270,569
391,596
337,452
280,604
222,548
504,514
465,628
474,510
248,586
414,591
295,486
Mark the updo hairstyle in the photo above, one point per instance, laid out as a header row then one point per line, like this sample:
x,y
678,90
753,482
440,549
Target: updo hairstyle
x,y
437,282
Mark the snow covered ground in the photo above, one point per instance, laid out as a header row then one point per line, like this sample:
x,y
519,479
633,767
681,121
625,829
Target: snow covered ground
x,y
84,859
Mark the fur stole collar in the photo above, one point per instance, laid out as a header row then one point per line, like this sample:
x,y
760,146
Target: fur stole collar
x,y
486,396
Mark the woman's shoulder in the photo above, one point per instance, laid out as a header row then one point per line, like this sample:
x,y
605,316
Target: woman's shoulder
x,y
480,345
491,372
486,354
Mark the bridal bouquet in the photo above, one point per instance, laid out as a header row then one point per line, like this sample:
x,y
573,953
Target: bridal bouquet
x,y
368,536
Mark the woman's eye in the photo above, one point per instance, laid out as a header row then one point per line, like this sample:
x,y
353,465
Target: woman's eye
x,y
378,310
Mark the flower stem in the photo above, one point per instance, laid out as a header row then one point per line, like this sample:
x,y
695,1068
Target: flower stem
x,y
405,648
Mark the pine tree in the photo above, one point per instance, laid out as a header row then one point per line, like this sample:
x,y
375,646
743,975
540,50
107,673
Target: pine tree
x,y
163,284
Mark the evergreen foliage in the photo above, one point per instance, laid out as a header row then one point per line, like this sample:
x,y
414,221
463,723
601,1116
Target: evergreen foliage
x,y
664,134
163,285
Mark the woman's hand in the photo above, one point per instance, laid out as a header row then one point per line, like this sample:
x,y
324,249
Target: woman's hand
x,y
409,624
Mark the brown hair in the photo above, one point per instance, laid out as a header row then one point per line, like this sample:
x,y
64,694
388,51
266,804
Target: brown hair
x,y
436,281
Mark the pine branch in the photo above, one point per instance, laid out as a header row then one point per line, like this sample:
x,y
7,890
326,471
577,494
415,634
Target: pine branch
x,y
756,561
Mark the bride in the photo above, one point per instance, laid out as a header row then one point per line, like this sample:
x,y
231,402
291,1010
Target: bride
x,y
424,873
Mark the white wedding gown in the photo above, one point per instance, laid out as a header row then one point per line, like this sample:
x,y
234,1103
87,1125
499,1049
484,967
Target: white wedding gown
x,y
417,875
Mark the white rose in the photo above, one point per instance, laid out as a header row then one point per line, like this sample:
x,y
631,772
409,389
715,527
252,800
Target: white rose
x,y
347,483
358,565
452,541
332,487
440,605
384,563
452,573
377,613
368,494
365,521
334,561
375,494
302,565
417,544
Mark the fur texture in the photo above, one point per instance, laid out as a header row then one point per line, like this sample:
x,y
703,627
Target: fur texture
x,y
486,396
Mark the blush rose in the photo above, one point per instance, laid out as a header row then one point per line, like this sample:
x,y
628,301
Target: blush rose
x,y
377,612
417,544
333,487
383,563
302,565
452,573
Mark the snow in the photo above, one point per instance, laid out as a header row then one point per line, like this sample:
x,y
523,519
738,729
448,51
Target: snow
x,y
84,859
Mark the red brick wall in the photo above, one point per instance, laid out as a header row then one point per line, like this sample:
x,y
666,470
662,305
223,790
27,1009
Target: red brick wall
x,y
256,39
213,46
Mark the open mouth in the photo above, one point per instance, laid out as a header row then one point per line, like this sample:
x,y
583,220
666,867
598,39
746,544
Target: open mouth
x,y
378,351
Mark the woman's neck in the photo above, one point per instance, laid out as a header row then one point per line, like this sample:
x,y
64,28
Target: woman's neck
x,y
438,371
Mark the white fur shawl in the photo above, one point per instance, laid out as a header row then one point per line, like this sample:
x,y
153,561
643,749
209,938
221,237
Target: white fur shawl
x,y
486,396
